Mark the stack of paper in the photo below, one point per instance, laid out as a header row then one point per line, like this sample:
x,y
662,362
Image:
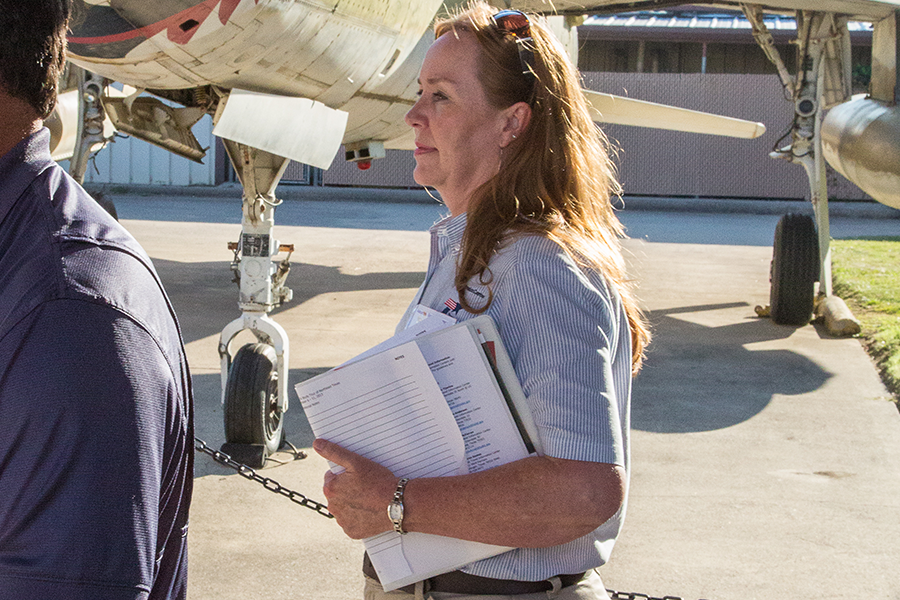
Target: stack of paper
x,y
446,403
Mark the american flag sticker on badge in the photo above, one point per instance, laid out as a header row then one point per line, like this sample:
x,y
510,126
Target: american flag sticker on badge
x,y
451,304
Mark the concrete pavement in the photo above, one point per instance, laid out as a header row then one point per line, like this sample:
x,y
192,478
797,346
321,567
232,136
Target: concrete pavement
x,y
766,459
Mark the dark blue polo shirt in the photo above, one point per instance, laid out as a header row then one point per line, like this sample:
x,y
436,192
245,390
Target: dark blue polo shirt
x,y
96,423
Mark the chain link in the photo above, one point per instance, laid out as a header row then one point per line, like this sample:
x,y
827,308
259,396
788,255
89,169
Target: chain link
x,y
614,595
275,487
267,482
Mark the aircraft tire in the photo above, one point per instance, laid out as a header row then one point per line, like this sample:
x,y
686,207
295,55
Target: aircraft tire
x,y
251,399
795,270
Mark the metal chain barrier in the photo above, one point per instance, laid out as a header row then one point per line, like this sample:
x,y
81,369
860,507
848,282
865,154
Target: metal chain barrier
x,y
614,595
267,482
298,498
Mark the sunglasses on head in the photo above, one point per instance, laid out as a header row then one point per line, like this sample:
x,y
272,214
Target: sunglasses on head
x,y
516,24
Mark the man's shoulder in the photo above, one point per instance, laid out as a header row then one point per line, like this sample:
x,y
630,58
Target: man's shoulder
x,y
73,213
122,283
30,267
60,244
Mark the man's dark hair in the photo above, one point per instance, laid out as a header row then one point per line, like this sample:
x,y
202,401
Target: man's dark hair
x,y
33,50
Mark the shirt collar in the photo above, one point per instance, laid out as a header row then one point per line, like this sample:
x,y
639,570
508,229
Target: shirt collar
x,y
449,232
20,166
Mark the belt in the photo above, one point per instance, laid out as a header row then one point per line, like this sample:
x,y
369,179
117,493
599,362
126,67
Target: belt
x,y
457,582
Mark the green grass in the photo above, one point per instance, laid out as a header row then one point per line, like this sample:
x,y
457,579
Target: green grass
x,y
866,275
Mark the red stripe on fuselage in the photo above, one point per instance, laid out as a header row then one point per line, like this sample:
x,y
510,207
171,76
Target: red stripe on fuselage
x,y
227,8
198,13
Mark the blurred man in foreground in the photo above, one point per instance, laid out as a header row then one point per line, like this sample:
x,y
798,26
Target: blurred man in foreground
x,y
96,427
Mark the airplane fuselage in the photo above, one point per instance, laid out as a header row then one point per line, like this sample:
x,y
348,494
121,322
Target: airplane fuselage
x,y
347,55
361,57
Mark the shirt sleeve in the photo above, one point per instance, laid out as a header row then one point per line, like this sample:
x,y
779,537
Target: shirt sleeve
x,y
564,329
84,392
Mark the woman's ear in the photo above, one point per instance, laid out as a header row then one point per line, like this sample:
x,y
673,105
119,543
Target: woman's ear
x,y
518,116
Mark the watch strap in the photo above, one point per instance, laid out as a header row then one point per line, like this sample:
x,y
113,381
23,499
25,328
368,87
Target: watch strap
x,y
396,508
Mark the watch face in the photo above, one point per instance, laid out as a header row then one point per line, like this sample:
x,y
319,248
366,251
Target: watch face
x,y
395,511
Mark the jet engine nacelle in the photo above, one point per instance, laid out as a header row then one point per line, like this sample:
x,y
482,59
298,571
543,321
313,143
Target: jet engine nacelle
x,y
861,139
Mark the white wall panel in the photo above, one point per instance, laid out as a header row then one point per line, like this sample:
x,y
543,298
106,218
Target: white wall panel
x,y
139,163
120,161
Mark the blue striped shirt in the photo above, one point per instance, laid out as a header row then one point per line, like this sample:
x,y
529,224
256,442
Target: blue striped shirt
x,y
567,334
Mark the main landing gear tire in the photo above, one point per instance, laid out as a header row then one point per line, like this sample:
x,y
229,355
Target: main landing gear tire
x,y
251,410
795,270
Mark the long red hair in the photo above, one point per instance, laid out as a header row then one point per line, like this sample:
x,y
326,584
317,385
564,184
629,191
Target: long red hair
x,y
556,179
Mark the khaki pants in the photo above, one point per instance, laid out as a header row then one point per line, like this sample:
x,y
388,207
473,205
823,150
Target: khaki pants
x,y
589,588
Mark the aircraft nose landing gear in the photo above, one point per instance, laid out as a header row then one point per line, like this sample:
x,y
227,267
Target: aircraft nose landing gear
x,y
255,381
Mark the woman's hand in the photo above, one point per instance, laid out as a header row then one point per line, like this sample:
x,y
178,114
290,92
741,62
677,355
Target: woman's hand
x,y
358,498
530,503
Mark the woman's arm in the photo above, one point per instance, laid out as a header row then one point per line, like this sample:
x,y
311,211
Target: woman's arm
x,y
534,502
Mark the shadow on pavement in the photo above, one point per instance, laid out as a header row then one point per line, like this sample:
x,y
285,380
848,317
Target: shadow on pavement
x,y
696,378
700,378
206,288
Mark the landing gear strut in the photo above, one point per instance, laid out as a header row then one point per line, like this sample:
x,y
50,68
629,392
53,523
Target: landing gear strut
x,y
255,381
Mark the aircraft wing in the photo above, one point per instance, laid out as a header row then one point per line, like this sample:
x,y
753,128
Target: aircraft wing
x,y
609,108
862,10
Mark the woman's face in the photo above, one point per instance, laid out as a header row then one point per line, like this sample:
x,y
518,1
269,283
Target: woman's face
x,y
458,134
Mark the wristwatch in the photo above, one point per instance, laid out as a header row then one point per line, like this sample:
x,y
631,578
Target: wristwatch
x,y
395,508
